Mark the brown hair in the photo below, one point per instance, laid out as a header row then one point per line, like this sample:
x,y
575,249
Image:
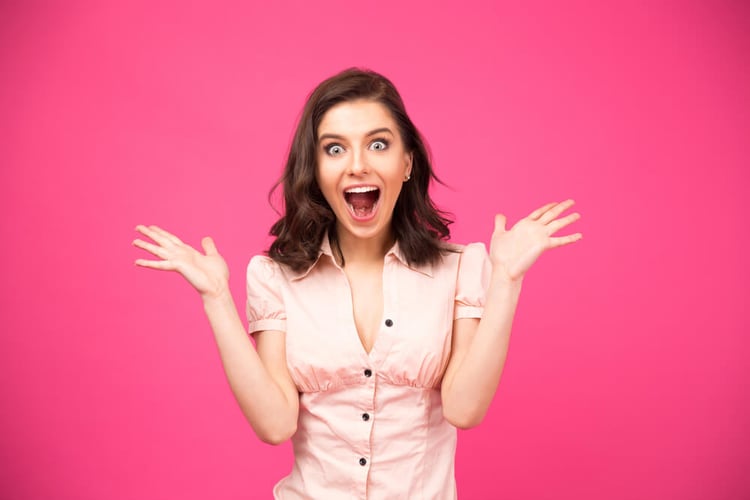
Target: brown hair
x,y
419,227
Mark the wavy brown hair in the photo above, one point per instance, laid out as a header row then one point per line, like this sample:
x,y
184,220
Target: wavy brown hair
x,y
419,227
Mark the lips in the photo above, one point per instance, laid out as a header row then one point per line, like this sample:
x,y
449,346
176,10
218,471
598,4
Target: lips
x,y
362,201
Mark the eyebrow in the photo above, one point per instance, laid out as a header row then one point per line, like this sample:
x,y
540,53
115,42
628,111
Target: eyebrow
x,y
368,134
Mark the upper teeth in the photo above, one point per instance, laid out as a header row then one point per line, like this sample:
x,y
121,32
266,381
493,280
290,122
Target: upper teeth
x,y
361,189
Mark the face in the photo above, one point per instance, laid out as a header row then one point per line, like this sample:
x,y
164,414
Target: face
x,y
362,165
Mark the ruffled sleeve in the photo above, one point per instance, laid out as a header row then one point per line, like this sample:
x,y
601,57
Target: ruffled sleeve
x,y
472,282
265,304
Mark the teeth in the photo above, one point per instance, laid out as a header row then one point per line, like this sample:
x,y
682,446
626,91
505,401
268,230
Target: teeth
x,y
361,189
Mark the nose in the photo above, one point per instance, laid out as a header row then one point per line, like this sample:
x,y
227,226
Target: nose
x,y
358,164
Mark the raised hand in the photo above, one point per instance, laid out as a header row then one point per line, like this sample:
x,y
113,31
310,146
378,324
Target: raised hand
x,y
208,274
513,252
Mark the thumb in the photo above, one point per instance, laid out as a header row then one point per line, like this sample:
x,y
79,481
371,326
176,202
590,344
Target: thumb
x,y
500,222
209,246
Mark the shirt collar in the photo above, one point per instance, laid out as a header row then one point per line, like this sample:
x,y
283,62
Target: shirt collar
x,y
395,251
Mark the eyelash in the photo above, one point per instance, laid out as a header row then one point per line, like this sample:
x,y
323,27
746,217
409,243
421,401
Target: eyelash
x,y
328,147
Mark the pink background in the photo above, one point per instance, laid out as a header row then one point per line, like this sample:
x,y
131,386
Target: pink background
x,y
627,373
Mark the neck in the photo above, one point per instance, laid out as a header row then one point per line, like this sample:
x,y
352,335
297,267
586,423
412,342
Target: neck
x,y
358,250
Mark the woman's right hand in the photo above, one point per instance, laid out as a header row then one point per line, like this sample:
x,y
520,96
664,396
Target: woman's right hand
x,y
208,274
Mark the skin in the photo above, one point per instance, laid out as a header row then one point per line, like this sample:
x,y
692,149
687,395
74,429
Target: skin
x,y
351,154
359,144
480,346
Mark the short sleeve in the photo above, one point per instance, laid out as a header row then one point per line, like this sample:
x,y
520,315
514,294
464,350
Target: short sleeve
x,y
265,304
473,279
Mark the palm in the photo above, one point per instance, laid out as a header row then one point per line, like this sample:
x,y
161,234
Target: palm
x,y
208,273
514,251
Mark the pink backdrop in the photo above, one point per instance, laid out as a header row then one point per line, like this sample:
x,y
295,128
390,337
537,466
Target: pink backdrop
x,y
627,374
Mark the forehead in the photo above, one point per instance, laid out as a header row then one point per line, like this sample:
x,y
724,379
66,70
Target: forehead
x,y
354,118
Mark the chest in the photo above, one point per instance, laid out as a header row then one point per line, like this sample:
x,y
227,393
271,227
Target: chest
x,y
366,290
396,323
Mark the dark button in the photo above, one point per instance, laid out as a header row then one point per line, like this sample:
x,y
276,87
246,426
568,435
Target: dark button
x,y
368,373
363,461
388,322
365,417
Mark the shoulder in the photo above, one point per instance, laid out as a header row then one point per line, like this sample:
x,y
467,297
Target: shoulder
x,y
263,268
456,252
475,252
458,258
472,280
262,265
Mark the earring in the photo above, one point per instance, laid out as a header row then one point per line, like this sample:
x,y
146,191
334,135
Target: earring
x,y
408,176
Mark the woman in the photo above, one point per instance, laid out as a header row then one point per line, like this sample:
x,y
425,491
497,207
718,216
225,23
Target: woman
x,y
375,338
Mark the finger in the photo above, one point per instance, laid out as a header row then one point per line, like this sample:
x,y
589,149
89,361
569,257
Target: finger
x,y
565,240
209,246
539,211
558,224
166,234
158,237
161,265
151,248
555,211
500,222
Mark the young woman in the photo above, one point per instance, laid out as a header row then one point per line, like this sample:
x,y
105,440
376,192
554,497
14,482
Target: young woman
x,y
375,338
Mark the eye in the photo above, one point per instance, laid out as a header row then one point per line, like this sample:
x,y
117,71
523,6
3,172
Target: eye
x,y
334,149
379,145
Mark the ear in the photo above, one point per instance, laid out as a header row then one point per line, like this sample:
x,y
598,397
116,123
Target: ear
x,y
409,162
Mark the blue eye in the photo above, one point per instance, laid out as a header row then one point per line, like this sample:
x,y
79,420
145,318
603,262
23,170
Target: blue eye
x,y
379,145
334,149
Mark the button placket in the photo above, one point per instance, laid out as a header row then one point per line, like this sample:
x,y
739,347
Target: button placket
x,y
364,408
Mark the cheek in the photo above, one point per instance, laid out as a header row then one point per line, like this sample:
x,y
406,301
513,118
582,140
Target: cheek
x,y
326,183
320,174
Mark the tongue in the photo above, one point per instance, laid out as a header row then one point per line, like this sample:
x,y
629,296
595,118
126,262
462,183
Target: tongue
x,y
362,202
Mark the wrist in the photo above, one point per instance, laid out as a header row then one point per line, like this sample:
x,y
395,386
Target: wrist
x,y
221,293
500,277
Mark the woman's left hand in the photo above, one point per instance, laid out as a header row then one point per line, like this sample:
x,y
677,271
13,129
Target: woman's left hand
x,y
513,252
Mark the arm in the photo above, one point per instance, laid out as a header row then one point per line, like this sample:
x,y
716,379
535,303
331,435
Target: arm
x,y
258,378
478,352
479,347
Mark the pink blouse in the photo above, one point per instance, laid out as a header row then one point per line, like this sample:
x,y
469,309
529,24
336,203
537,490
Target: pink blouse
x,y
371,425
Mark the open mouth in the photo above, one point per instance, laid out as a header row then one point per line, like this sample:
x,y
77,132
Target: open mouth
x,y
362,200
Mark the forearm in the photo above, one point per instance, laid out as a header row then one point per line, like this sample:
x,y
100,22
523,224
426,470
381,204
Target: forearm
x,y
272,416
468,394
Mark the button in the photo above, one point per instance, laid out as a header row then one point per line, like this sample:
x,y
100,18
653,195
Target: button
x,y
365,417
368,373
363,461
389,322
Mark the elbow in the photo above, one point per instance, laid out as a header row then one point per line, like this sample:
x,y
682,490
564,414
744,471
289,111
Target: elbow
x,y
278,435
272,426
273,440
463,419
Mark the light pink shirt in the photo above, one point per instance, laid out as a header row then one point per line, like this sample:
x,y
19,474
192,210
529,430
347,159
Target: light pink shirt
x,y
371,425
